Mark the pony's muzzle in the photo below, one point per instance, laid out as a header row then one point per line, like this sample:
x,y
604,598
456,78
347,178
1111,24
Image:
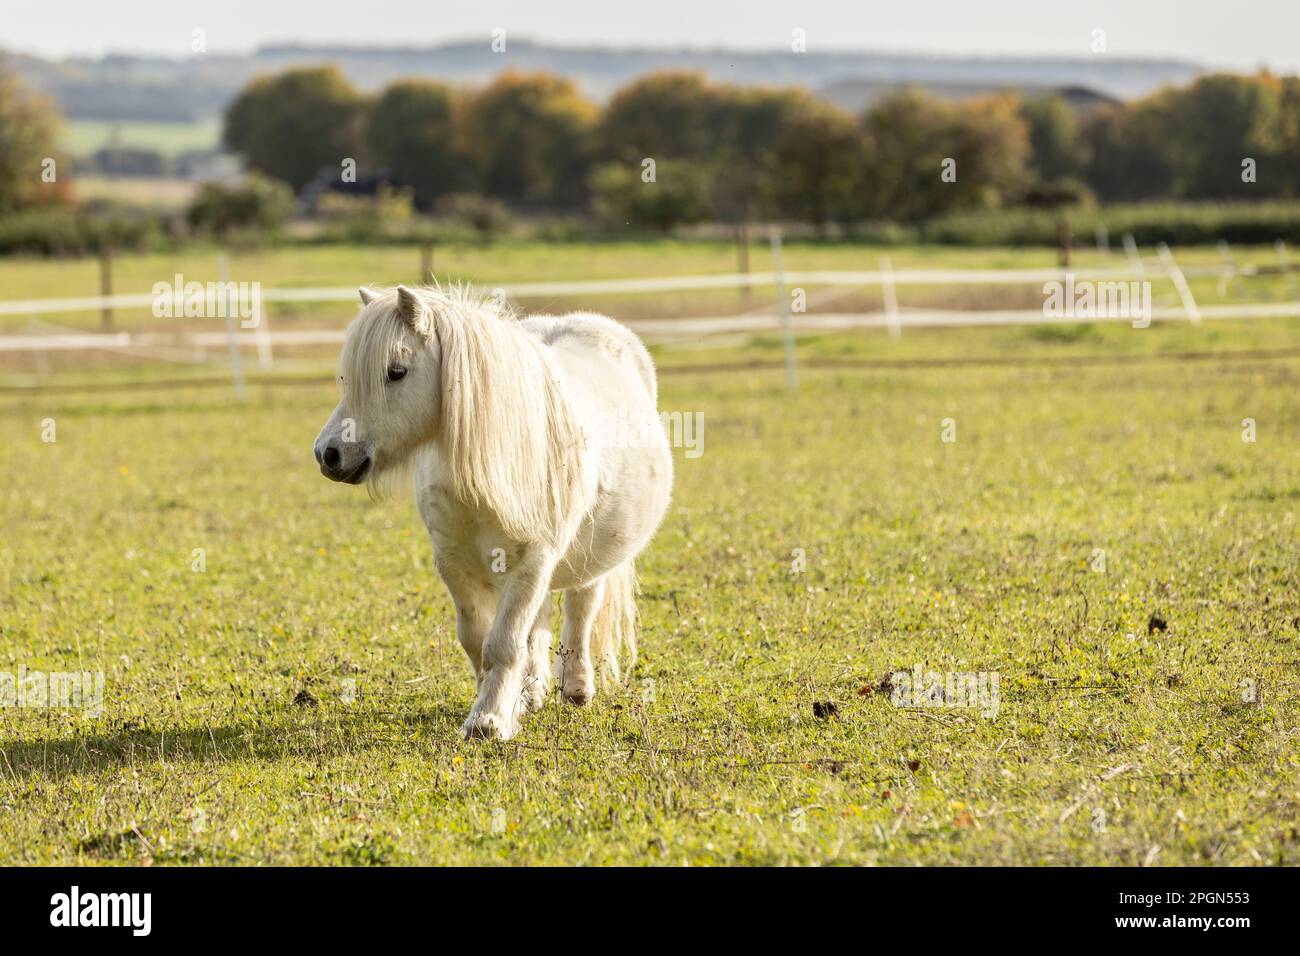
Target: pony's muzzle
x,y
336,465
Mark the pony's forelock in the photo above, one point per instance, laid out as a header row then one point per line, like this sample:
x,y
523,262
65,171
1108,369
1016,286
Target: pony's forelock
x,y
372,342
506,431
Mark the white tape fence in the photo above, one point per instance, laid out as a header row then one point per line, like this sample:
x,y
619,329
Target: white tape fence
x,y
776,316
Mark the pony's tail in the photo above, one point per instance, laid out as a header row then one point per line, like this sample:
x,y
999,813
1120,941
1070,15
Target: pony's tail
x,y
613,633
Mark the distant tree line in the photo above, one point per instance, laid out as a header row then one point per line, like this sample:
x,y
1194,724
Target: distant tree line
x,y
672,147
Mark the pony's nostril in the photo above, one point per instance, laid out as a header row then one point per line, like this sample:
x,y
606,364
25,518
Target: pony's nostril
x,y
331,457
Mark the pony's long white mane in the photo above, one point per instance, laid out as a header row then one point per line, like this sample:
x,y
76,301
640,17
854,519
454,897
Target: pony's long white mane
x,y
506,432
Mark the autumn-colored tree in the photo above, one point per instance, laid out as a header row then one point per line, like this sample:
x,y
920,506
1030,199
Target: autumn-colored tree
x,y
292,125
659,116
30,171
991,142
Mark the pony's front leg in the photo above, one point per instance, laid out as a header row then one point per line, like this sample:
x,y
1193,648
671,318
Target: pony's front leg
x,y
474,608
501,696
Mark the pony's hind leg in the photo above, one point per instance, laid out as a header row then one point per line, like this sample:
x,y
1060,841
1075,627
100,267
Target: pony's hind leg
x,y
537,675
578,678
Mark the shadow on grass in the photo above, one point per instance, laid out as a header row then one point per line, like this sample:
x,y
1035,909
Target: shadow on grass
x,y
281,738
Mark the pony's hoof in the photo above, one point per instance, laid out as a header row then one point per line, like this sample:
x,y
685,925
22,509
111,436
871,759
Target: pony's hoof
x,y
578,683
534,700
536,691
486,727
579,695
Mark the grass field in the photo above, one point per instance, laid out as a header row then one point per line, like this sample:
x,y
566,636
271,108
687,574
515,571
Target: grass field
x,y
81,137
298,700
157,195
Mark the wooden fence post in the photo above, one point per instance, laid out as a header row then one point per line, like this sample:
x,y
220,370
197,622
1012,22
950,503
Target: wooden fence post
x,y
426,263
742,259
106,285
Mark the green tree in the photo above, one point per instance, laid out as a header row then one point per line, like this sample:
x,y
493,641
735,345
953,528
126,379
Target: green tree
x,y
529,137
1284,164
1129,154
256,204
1222,120
751,126
909,135
413,134
29,127
292,125
928,157
819,167
1057,147
679,194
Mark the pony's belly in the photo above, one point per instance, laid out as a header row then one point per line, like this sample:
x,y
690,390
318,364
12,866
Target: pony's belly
x,y
630,503
627,503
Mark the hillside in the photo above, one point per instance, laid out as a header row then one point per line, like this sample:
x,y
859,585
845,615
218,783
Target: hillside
x,y
120,87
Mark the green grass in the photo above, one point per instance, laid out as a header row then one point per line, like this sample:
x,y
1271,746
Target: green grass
x,y
227,735
1175,222
81,137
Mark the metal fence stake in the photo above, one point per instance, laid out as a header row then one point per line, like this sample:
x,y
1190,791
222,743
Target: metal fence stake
x,y
1131,250
791,373
1180,284
232,335
890,295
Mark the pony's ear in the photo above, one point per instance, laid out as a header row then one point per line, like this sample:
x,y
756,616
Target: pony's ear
x,y
367,295
413,311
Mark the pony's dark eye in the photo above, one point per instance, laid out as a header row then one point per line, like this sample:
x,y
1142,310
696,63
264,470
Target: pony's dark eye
x,y
396,373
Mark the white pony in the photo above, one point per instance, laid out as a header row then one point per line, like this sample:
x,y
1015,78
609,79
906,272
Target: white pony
x,y
524,486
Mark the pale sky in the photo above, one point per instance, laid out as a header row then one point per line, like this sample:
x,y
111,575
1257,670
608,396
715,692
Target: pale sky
x,y
1238,34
